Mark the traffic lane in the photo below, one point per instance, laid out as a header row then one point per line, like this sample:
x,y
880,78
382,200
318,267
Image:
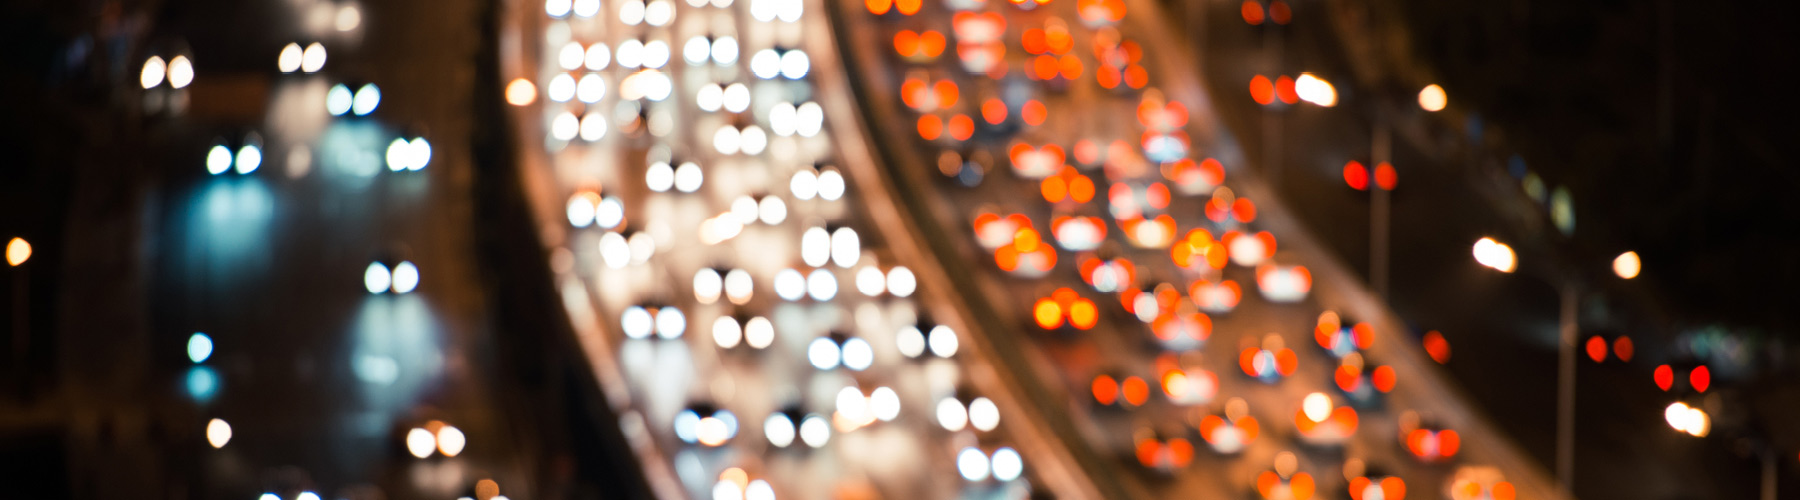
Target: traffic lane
x,y
976,256
674,265
271,264
693,369
1121,345
868,47
277,285
1061,471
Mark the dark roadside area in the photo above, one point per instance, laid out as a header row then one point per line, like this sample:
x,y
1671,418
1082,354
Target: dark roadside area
x,y
1539,105
135,248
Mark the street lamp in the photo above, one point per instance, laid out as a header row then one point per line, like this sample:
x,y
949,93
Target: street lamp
x,y
17,252
1315,90
1691,420
1496,255
1627,265
1433,99
1500,257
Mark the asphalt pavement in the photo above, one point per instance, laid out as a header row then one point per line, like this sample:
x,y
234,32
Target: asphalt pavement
x,y
1067,361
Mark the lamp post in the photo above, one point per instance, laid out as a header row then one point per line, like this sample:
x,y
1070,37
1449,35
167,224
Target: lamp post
x,y
1500,257
17,252
1565,389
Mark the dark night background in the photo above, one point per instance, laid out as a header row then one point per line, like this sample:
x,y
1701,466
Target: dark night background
x,y
1672,123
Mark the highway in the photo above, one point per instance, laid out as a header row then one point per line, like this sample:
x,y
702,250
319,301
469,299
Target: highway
x,y
1119,345
711,184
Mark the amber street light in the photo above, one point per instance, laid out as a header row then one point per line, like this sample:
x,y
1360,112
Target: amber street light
x,y
1500,257
17,252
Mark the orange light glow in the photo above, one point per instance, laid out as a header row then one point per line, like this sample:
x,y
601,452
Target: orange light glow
x,y
993,111
906,42
1437,347
1286,362
1261,90
1301,486
1067,184
1181,452
1623,348
1082,314
1280,13
1700,378
1026,240
1665,377
1007,258
1243,210
1392,488
908,7
1107,77
1044,67
961,127
1033,113
1174,382
1504,491
1056,37
930,127
1357,485
1384,378
1208,424
1363,334
1070,67
1249,425
1147,451
919,46
946,93
1080,188
1266,482
1106,390
1252,11
1136,77
1153,233
1095,12
1048,314
1347,377
1154,114
1356,175
931,44
1284,90
1135,390
1033,41
17,252
1328,325
1415,441
878,7
1596,348
1219,297
1385,177
1054,188
913,93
